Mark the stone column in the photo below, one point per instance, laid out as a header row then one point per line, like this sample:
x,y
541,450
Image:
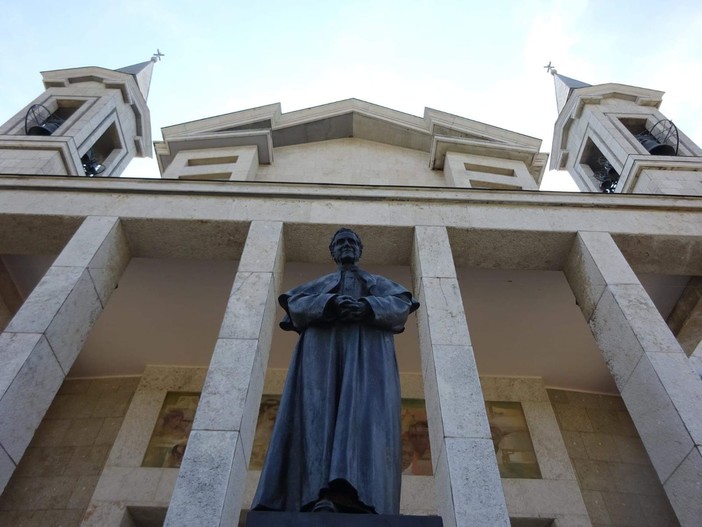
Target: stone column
x,y
43,339
468,485
211,480
658,385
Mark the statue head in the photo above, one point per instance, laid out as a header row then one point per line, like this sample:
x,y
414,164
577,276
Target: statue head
x,y
346,247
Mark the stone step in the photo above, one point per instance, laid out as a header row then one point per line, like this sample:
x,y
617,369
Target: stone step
x,y
319,519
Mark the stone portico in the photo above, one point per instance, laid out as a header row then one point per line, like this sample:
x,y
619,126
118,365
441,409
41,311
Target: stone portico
x,y
568,234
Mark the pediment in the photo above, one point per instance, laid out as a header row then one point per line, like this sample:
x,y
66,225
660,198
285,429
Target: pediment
x,y
349,118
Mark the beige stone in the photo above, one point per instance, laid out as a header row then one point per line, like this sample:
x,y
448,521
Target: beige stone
x,y
662,430
32,369
203,485
471,466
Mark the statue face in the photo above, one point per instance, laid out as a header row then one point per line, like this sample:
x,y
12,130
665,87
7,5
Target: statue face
x,y
346,248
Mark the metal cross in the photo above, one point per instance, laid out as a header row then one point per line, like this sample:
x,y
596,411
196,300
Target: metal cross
x,y
549,67
158,55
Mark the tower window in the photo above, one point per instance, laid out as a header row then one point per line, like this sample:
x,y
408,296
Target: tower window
x,y
45,119
599,167
659,138
98,157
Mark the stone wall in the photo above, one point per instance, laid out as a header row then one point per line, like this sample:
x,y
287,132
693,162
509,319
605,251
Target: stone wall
x,y
617,480
59,471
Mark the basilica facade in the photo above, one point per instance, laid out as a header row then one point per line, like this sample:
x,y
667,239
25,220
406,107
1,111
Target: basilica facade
x,y
550,377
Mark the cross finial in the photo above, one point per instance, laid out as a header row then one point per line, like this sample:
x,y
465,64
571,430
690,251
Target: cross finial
x,y
157,56
550,69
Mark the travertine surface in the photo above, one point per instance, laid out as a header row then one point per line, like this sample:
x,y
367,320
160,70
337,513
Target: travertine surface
x,y
614,472
56,477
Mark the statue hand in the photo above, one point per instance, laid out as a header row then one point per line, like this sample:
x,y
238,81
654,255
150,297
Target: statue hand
x,y
354,311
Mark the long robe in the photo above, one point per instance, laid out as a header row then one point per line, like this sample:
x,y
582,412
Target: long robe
x,y
339,416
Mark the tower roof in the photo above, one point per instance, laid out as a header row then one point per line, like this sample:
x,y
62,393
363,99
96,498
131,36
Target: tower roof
x,y
142,73
564,87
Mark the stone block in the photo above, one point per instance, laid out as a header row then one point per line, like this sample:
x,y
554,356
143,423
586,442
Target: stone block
x,y
40,308
662,431
586,400
657,512
600,447
127,484
418,495
539,498
637,479
75,386
233,500
7,467
84,244
33,370
623,509
203,482
112,404
684,488
462,408
70,406
584,277
574,445
82,492
432,255
474,486
550,450
594,475
264,249
106,513
48,492
109,262
445,317
82,432
133,437
44,461
432,403
73,322
616,339
596,508
684,388
244,316
604,421
572,419
517,389
108,431
631,450
166,484
231,394
87,461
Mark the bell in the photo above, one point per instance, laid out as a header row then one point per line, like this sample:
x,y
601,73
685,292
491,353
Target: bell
x,y
653,147
47,128
91,165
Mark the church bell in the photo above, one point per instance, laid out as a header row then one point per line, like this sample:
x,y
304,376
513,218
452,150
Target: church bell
x,y
651,144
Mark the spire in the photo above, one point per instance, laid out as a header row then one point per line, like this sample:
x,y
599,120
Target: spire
x,y
142,72
564,86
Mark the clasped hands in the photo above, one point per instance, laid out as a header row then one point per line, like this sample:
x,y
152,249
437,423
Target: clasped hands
x,y
348,309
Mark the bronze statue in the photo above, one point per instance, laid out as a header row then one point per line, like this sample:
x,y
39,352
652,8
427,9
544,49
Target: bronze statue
x,y
336,442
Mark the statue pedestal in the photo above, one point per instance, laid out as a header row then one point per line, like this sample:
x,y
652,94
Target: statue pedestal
x,y
317,519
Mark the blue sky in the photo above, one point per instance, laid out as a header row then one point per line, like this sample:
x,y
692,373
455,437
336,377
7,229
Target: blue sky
x,y
481,60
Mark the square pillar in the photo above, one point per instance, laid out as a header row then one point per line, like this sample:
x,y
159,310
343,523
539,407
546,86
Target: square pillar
x,y
468,482
43,339
210,484
662,392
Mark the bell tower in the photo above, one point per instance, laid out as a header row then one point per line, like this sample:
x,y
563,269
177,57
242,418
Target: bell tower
x,y
88,122
613,138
